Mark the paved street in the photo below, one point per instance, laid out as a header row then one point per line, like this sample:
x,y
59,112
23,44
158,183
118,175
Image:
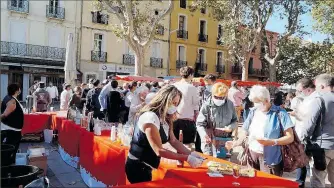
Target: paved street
x,y
62,175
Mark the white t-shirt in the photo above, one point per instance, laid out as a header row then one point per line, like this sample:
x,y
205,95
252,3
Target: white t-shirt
x,y
256,130
128,98
152,118
189,102
53,91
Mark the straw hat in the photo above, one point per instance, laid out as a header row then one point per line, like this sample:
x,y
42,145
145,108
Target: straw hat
x,y
219,90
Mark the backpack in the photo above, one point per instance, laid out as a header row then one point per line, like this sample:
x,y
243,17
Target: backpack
x,y
42,101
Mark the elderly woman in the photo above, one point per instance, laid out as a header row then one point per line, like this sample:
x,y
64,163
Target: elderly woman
x,y
216,120
137,102
263,127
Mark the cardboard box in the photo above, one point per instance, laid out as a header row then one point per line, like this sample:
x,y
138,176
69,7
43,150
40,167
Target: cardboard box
x,y
40,161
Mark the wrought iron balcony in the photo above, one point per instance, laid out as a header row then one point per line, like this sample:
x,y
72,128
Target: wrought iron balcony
x,y
182,34
156,62
29,50
202,37
180,64
18,5
160,30
236,69
128,59
201,66
258,72
55,12
220,68
219,41
98,17
99,56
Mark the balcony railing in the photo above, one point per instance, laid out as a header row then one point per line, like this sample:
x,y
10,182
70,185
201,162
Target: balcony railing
x,y
128,59
202,66
180,64
202,37
182,34
99,56
156,62
258,72
219,41
98,17
236,69
18,5
29,50
251,72
160,30
220,68
55,12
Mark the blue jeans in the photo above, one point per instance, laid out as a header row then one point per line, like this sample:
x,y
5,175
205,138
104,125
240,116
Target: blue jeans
x,y
301,176
245,114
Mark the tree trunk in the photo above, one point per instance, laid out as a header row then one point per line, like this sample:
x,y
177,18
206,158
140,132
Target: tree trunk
x,y
139,62
244,76
272,76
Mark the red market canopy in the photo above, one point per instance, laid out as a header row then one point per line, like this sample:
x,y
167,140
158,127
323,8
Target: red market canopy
x,y
138,78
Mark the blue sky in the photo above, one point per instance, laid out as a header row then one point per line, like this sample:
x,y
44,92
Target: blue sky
x,y
278,25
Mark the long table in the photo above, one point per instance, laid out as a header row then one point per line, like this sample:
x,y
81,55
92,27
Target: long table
x,y
102,163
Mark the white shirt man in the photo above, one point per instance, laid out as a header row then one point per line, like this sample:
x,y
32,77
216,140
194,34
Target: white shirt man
x,y
65,98
53,91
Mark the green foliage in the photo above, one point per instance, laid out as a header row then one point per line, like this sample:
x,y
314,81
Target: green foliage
x,y
301,59
323,13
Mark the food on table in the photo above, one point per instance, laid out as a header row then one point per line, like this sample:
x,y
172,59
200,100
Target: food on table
x,y
227,169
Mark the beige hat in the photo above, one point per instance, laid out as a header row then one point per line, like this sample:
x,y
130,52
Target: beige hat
x,y
219,90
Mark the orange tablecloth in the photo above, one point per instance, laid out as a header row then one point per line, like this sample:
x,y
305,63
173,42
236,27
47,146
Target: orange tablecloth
x,y
35,123
105,161
168,182
69,137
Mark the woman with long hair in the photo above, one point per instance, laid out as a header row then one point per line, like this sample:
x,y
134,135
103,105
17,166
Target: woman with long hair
x,y
153,127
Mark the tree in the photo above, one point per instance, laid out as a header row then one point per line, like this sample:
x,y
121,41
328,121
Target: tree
x,y
137,23
323,14
243,22
301,59
292,10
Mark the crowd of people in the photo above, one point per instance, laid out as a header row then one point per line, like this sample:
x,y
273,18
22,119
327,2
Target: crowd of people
x,y
203,119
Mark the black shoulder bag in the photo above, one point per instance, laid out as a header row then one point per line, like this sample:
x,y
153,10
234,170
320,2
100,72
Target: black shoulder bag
x,y
312,148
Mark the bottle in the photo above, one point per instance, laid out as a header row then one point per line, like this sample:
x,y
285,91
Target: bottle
x,y
91,123
180,163
77,116
113,133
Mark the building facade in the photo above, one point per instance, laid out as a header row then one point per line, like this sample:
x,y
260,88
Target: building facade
x,y
103,54
194,41
33,41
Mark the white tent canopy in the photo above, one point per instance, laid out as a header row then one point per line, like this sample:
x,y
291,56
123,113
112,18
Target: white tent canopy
x,y
70,64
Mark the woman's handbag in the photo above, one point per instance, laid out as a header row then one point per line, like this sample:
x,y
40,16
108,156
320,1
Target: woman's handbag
x,y
293,155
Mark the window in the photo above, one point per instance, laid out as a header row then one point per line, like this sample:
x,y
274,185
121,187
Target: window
x,y
202,27
183,3
182,54
98,38
250,65
220,31
17,3
128,49
201,56
203,10
219,58
98,17
156,49
53,6
182,23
